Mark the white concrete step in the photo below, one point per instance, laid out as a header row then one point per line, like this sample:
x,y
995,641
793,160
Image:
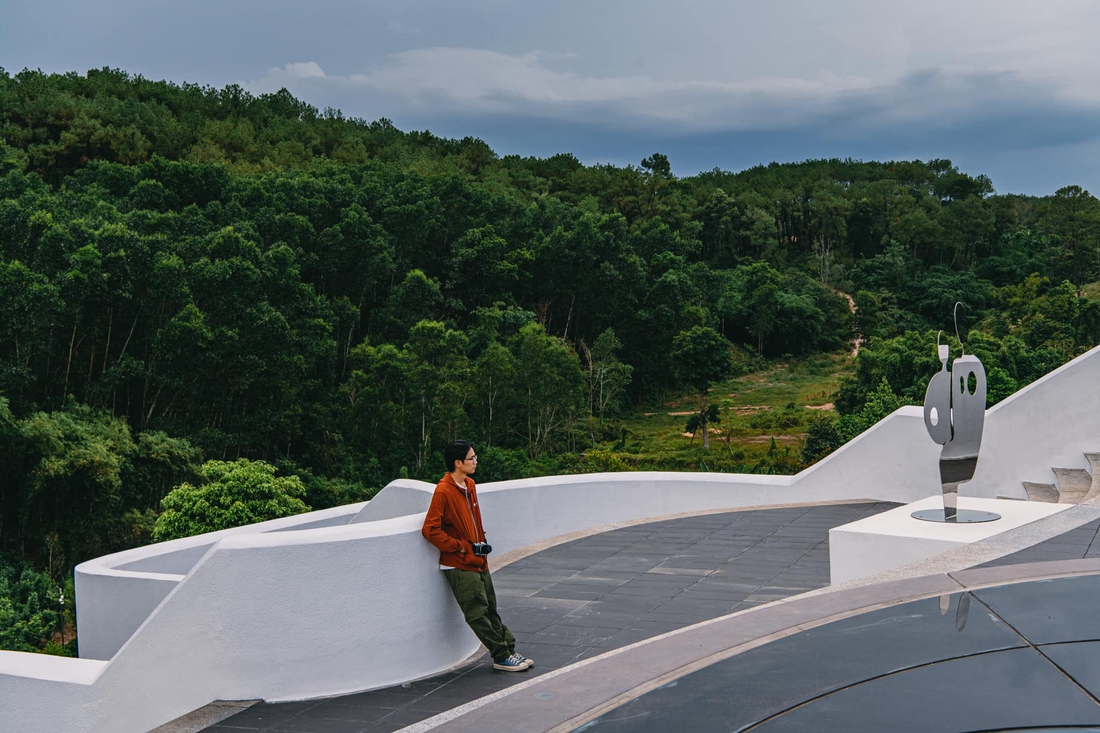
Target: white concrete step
x,y
1094,493
1041,492
1073,484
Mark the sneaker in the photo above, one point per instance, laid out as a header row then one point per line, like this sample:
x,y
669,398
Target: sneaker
x,y
530,662
514,663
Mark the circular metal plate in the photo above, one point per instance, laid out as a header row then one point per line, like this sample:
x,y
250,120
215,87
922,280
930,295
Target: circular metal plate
x,y
964,516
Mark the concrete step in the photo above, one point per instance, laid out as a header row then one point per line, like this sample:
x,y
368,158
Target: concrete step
x,y
1094,493
1073,484
1041,492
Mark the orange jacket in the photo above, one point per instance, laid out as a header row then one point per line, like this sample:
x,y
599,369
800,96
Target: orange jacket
x,y
453,524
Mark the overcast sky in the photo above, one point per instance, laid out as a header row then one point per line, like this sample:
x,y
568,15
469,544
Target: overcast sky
x,y
1005,88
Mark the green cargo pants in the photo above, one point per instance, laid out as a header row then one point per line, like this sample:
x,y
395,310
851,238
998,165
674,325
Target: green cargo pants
x,y
478,601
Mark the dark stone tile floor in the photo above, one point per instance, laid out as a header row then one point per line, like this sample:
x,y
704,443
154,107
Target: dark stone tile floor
x,y
585,597
1082,542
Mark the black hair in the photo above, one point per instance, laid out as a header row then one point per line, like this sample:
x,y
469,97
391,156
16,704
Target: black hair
x,y
456,450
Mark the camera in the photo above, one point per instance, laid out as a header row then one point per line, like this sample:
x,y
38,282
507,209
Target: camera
x,y
481,549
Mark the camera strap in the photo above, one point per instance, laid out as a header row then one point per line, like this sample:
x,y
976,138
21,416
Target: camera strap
x,y
470,506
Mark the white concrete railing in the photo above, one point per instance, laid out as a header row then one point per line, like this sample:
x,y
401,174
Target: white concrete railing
x,y
350,598
116,593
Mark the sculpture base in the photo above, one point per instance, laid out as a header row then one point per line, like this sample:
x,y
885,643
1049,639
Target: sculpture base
x,y
894,538
962,516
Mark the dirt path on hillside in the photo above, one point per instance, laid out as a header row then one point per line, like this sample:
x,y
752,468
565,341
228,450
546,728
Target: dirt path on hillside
x,y
856,342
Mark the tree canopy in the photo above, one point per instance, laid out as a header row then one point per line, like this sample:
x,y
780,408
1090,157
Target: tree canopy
x,y
233,494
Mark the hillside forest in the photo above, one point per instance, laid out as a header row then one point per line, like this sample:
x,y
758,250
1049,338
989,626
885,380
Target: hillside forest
x,y
217,308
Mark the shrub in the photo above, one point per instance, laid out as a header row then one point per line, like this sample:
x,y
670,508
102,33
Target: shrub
x,y
821,440
29,612
879,404
235,494
600,461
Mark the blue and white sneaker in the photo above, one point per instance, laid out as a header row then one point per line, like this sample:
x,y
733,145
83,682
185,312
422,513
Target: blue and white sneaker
x,y
530,662
514,663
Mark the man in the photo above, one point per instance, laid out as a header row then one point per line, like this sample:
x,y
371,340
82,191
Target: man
x,y
453,524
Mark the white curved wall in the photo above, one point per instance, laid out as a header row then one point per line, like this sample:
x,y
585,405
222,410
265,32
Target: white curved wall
x,y
1052,422
278,616
116,593
355,601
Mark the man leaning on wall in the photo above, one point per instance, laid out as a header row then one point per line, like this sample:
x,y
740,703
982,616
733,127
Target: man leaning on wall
x,y
453,525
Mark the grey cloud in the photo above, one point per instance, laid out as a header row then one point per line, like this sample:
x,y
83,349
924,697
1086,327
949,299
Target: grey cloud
x,y
438,83
784,79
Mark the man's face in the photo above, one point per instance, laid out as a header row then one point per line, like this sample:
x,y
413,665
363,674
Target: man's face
x,y
470,464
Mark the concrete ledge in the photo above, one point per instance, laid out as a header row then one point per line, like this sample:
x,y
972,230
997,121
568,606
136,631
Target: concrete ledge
x,y
894,538
116,593
50,668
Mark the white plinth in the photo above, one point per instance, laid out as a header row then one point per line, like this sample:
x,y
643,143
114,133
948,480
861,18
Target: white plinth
x,y
892,539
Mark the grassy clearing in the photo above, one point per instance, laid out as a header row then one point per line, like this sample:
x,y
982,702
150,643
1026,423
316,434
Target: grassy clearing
x,y
776,403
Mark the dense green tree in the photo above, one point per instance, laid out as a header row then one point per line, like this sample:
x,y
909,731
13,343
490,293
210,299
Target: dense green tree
x,y
1073,220
30,309
76,482
822,438
881,402
549,386
483,269
761,302
906,363
828,214
710,416
379,402
702,357
233,494
417,298
608,377
77,460
494,372
438,374
30,608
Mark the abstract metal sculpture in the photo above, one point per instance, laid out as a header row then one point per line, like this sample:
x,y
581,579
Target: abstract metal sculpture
x,y
954,415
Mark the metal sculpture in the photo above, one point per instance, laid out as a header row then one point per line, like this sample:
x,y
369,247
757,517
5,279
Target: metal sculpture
x,y
954,415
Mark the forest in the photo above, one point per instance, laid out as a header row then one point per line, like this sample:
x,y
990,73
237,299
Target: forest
x,y
218,307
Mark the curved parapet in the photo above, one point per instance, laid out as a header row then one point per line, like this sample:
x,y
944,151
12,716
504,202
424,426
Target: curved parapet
x,y
400,498
116,593
284,615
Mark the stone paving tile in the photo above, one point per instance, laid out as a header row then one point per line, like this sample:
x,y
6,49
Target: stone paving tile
x,y
586,597
677,613
365,714
639,631
318,725
590,636
609,620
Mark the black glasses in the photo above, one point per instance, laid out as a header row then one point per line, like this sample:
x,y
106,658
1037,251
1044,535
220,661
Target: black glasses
x,y
471,458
